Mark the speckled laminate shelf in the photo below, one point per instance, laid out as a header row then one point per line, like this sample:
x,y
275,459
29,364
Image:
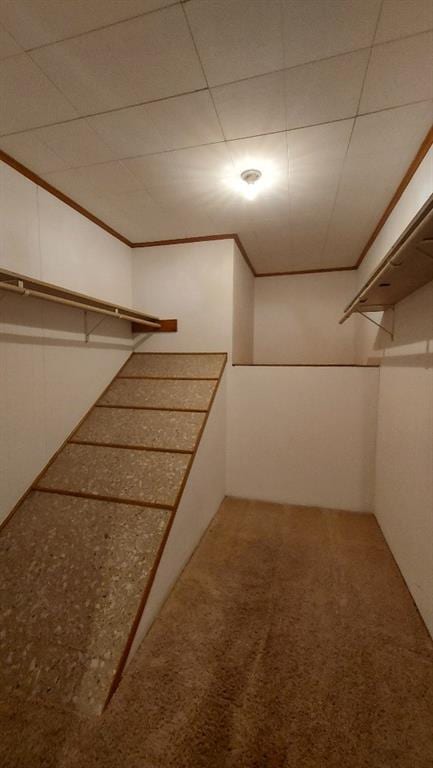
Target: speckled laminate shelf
x,y
72,574
171,430
77,557
142,393
147,477
177,366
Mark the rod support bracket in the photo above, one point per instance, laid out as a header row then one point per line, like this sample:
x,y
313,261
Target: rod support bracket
x,y
379,325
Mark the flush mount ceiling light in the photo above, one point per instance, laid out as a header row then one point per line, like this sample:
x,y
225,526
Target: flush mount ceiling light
x,y
251,176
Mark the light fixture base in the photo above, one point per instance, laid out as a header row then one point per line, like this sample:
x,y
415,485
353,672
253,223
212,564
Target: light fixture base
x,y
251,175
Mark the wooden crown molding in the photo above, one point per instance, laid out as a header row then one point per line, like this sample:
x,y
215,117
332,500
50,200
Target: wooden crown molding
x,y
414,165
24,171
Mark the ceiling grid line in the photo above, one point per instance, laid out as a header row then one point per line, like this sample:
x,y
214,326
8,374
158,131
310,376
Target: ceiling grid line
x,y
140,119
337,191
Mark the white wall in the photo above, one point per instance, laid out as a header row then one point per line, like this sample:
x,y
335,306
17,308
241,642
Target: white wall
x,y
303,435
243,310
203,495
49,377
296,319
404,463
192,282
404,485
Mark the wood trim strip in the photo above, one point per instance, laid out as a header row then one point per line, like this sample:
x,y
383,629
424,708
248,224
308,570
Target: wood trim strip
x,y
303,365
421,153
166,326
135,624
101,497
190,354
413,167
171,378
20,168
125,446
305,272
151,408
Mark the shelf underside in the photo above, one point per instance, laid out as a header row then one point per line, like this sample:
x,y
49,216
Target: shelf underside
x,y
407,267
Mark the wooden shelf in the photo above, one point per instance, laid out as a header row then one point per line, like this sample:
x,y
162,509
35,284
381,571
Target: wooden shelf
x,y
406,267
29,286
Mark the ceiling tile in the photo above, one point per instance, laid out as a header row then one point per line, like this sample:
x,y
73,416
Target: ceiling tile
x,y
8,46
208,165
133,62
316,153
236,38
38,22
94,181
399,72
29,150
31,99
382,147
314,30
400,18
327,90
75,143
183,121
252,106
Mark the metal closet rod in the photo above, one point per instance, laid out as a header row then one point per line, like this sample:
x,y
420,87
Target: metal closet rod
x,y
77,304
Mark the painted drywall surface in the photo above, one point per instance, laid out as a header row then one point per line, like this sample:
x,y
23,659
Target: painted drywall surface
x,y
203,495
192,282
43,238
413,198
303,435
404,472
296,319
49,376
404,461
243,310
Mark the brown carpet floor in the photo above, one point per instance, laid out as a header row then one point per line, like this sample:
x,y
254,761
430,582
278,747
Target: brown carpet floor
x,y
290,641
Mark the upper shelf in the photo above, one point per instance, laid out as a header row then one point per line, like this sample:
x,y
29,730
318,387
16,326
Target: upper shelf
x,y
405,268
28,286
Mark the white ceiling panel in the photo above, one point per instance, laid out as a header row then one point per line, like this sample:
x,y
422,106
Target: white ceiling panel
x,y
314,30
208,165
400,18
237,38
38,22
76,143
94,181
112,106
31,99
316,158
382,147
267,153
29,150
327,90
252,106
148,58
399,72
183,121
8,46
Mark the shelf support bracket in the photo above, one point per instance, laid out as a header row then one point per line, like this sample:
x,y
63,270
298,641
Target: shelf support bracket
x,y
382,327
87,330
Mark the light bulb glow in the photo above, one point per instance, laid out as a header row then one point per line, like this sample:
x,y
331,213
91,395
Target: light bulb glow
x,y
250,179
250,191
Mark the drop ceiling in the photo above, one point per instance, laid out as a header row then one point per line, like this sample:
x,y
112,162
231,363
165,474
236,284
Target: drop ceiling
x,y
146,111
